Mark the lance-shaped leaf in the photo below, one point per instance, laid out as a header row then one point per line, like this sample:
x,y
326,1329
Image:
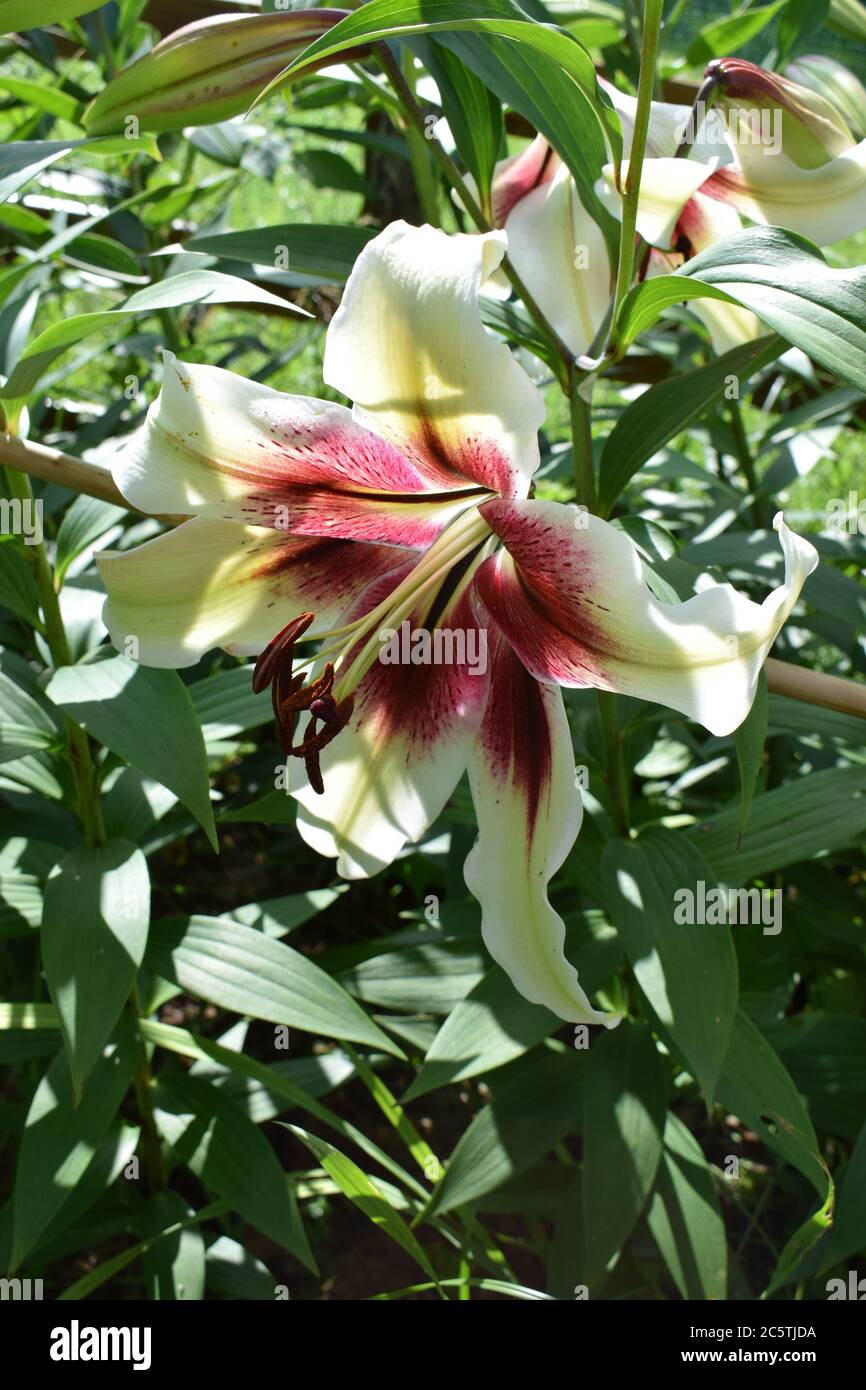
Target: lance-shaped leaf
x,y
685,1219
623,1123
60,1139
189,287
688,971
147,718
784,280
665,409
94,930
242,969
205,72
360,1189
22,160
21,15
213,1136
544,72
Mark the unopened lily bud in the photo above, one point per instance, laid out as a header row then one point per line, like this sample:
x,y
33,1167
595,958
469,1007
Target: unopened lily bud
x,y
835,82
205,72
770,114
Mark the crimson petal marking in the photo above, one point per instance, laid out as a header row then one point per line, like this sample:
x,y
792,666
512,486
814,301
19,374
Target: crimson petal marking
x,y
389,773
408,346
219,584
218,446
516,176
529,812
570,595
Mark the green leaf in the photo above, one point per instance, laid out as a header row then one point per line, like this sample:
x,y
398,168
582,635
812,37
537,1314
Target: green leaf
x,y
848,1236
60,1139
244,970
94,931
473,113
432,977
685,1219
49,99
783,279
21,161
821,811
326,253
226,706
19,708
146,717
213,1137
688,972
173,1267
105,255
730,34
189,287
749,740
623,1123
327,169
756,1087
354,1183
542,71
31,14
279,916
233,1272
665,409
83,523
529,1113
273,1080
18,590
491,1026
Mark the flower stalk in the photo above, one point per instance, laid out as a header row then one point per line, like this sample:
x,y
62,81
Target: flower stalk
x,y
652,23
83,770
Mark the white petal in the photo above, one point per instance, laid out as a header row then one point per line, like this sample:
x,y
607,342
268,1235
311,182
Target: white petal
x,y
824,204
666,186
529,812
389,773
705,221
570,594
408,346
213,584
561,254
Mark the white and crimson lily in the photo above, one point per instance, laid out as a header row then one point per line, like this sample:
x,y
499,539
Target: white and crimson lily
x,y
414,505
810,179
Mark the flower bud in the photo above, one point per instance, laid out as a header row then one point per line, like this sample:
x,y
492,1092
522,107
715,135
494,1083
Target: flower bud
x,y
770,114
837,84
205,72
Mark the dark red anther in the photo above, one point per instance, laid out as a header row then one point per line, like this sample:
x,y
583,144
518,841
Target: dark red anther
x,y
279,652
314,742
324,708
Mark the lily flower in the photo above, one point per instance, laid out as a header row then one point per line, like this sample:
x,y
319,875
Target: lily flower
x,y
791,161
413,506
554,244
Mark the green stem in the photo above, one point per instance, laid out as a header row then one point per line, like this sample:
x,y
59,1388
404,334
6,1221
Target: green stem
x,y
615,774
746,462
652,21
414,113
88,806
581,441
419,157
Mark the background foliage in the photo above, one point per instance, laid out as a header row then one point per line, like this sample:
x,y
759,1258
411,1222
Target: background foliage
x,y
158,1138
